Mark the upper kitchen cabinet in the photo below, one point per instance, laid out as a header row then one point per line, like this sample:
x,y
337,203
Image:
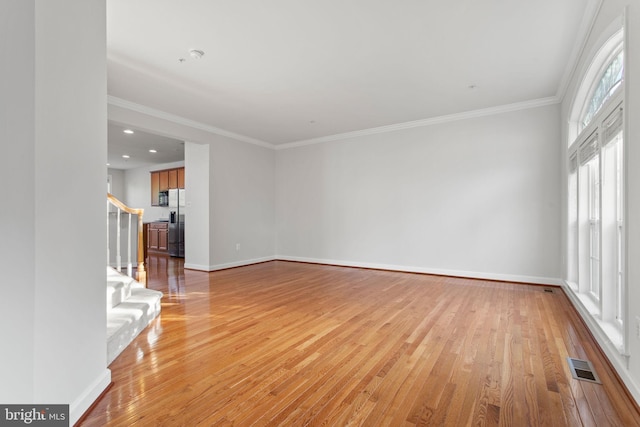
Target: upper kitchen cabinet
x,y
164,180
155,189
173,178
181,178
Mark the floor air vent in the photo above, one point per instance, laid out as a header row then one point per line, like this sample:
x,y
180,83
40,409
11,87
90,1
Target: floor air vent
x,y
548,290
583,370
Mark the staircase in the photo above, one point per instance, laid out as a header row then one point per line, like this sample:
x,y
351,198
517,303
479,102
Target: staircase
x,y
130,309
130,305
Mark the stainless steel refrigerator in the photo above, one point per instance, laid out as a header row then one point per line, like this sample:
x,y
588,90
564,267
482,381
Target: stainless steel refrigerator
x,y
176,222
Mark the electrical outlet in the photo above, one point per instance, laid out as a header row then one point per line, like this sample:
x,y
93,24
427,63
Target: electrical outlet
x,y
237,247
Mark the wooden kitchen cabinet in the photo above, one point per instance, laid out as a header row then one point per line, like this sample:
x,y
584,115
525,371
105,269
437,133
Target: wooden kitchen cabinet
x,y
158,236
163,239
173,178
164,180
155,188
152,239
181,178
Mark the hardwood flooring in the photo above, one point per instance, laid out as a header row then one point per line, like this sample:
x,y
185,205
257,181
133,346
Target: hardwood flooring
x,y
295,344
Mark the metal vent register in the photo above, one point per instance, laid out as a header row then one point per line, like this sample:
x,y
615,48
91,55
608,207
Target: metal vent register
x,y
583,370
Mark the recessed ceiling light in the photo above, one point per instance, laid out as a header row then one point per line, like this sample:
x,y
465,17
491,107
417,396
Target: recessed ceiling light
x,y
125,156
108,164
153,151
128,131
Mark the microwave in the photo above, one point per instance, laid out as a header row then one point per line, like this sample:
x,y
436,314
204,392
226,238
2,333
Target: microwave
x,y
163,198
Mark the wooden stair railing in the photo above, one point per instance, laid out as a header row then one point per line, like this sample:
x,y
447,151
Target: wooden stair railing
x,y
141,274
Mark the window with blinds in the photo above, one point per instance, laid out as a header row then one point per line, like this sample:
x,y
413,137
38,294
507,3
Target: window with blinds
x,y
595,202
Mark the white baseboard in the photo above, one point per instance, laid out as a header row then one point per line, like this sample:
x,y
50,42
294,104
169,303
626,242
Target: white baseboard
x,y
240,263
403,268
617,360
198,267
425,270
88,397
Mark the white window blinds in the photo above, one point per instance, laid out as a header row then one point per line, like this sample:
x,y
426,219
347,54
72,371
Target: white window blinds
x,y
613,124
588,148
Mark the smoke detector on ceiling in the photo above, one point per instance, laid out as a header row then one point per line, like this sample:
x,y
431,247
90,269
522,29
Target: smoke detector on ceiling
x,y
196,54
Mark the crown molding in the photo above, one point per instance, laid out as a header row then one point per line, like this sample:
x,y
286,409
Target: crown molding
x,y
580,44
542,102
128,105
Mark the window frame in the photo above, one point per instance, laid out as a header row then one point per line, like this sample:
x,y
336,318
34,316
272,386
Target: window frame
x,y
591,77
608,306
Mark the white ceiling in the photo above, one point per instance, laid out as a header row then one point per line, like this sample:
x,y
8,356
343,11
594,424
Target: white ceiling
x,y
283,71
137,146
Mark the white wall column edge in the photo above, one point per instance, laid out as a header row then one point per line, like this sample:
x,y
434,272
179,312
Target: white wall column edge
x,y
617,360
89,396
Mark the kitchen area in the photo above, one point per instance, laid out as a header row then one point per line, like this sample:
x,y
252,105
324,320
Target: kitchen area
x,y
148,171
166,234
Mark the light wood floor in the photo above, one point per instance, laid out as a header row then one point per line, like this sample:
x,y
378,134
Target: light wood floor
x,y
295,344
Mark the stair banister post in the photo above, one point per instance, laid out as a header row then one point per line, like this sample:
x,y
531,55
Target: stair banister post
x,y
129,267
118,257
141,275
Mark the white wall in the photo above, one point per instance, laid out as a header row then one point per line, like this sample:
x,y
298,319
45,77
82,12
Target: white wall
x,y
137,190
54,103
17,166
242,203
117,183
478,197
198,207
609,18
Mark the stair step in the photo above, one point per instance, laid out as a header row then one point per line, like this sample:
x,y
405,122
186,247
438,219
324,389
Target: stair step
x,y
130,309
150,298
118,287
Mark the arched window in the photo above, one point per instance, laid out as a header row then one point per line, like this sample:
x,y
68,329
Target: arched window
x,y
595,193
608,83
598,86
